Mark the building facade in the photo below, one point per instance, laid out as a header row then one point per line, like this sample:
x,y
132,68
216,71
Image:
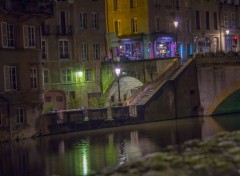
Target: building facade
x,y
21,91
73,46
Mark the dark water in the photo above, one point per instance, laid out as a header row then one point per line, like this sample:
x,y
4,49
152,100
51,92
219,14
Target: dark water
x,y
79,153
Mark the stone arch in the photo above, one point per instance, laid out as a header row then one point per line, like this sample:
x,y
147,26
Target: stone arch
x,y
225,96
55,98
128,85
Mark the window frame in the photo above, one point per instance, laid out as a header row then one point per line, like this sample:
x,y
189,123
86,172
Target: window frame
x,y
10,78
89,74
34,78
66,75
21,115
64,49
84,51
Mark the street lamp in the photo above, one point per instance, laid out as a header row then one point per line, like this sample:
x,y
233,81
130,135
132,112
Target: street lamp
x,y
176,27
118,71
227,40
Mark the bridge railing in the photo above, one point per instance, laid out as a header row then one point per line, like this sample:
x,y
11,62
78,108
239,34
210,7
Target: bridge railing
x,y
155,82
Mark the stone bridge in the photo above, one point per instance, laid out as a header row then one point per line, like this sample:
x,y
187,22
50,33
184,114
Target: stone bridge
x,y
202,86
133,75
219,84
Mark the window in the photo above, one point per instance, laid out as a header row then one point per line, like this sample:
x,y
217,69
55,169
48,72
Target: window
x,y
20,115
29,36
95,24
134,25
133,3
96,51
157,3
84,50
158,20
10,78
33,77
89,75
207,21
188,26
115,4
8,40
215,21
83,20
1,116
44,49
197,19
233,19
117,27
225,19
63,22
64,49
46,76
66,75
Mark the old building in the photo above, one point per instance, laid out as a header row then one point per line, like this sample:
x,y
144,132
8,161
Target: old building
x,y
73,46
21,88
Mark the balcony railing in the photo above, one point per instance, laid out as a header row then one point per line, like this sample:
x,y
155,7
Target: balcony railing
x,y
28,6
64,30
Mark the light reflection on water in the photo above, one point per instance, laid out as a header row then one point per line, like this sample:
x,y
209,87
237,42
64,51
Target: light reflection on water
x,y
80,153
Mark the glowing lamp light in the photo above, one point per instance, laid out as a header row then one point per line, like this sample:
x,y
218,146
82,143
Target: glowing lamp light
x,y
175,24
79,74
227,32
117,70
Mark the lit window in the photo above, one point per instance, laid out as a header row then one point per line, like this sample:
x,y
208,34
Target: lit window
x,y
33,78
10,78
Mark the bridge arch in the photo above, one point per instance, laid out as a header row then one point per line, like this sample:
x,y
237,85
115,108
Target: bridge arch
x,y
128,85
228,101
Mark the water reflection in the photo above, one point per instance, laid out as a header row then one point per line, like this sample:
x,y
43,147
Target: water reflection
x,y
80,153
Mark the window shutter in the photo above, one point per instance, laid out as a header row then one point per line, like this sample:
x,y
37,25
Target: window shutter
x,y
25,37
6,78
4,35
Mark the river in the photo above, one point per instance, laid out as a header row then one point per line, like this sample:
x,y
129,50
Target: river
x,y
80,153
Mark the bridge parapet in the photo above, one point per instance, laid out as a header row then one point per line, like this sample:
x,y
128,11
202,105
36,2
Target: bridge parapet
x,y
208,61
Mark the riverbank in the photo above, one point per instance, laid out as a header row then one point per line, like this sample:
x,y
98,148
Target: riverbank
x,y
215,156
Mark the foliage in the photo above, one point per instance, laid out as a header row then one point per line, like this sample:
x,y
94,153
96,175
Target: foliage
x,y
74,102
48,107
97,102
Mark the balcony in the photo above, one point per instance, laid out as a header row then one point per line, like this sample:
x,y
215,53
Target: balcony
x,y
27,6
64,30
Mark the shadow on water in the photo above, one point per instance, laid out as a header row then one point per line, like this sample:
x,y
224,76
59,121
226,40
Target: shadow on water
x,y
80,153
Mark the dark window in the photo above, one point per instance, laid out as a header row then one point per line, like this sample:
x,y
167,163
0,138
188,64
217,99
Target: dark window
x,y
207,21
197,19
215,21
59,98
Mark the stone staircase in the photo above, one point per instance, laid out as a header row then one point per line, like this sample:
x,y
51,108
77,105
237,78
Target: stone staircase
x,y
149,90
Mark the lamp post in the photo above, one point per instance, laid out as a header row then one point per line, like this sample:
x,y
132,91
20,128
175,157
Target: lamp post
x,y
118,71
227,40
176,27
